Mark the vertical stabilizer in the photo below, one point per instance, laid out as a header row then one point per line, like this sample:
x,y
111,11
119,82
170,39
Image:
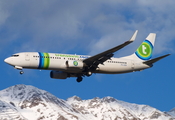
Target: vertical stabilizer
x,y
145,50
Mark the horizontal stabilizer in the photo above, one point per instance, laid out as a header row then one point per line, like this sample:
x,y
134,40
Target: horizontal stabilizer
x,y
155,59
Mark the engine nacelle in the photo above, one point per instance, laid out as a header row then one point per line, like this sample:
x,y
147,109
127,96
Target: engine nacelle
x,y
58,75
74,64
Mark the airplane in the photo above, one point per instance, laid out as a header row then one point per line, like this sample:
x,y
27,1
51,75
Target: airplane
x,y
63,66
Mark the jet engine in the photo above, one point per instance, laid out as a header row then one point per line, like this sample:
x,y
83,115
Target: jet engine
x,y
58,75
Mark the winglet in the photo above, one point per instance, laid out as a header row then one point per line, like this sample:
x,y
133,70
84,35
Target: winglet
x,y
134,36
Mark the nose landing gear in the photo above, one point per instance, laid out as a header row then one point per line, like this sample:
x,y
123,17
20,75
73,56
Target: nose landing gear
x,y
19,68
21,72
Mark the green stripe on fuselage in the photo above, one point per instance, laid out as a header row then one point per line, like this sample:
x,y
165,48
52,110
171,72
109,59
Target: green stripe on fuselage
x,y
46,61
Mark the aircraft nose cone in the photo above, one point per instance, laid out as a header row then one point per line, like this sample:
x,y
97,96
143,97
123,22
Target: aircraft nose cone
x,y
7,60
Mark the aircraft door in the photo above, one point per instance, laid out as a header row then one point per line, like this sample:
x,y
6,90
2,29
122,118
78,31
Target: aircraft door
x,y
27,56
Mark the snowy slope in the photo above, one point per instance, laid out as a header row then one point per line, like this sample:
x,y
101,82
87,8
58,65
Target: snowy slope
x,y
109,108
172,112
35,104
22,102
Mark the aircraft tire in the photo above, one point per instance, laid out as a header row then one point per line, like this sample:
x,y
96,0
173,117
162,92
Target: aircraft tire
x,y
21,72
89,73
79,79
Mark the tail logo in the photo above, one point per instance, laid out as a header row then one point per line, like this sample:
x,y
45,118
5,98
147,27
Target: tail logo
x,y
144,51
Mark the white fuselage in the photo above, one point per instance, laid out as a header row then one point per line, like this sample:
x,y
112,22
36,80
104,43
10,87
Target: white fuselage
x,y
71,63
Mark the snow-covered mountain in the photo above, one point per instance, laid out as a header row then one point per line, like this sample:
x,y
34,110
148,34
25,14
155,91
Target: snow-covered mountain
x,y
172,112
22,102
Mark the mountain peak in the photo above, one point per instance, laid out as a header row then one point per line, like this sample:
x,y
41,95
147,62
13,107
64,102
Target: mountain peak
x,y
109,99
172,112
20,92
74,98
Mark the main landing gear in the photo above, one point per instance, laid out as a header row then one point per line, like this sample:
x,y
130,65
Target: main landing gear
x,y
79,79
80,76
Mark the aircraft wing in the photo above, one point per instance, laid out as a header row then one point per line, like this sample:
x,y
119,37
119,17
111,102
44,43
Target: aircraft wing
x,y
94,61
155,59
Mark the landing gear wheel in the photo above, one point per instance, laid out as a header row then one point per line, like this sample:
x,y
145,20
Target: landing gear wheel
x,y
79,79
21,72
89,73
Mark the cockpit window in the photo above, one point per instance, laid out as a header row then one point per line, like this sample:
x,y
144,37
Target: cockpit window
x,y
15,55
